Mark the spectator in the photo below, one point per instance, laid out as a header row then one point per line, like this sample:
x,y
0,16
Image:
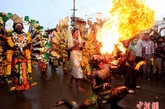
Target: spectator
x,y
148,56
158,60
139,49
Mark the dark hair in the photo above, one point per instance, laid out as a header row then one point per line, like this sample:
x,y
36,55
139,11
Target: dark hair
x,y
159,42
146,34
151,36
155,33
74,29
160,38
95,61
16,24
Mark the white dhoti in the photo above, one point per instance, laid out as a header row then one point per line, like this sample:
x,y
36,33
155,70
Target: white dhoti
x,y
75,59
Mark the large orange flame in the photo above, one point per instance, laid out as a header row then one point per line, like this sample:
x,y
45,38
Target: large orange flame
x,y
127,18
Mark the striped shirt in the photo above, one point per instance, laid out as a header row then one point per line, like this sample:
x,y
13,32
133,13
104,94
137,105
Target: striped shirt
x,y
149,47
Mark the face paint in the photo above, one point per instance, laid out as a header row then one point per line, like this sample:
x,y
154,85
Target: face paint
x,y
18,27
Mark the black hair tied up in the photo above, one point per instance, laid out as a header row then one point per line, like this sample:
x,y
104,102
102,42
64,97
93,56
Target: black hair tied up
x,y
74,29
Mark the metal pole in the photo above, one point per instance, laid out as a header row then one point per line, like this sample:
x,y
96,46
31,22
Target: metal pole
x,y
73,23
74,9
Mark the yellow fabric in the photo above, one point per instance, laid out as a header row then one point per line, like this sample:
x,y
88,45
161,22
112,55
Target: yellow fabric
x,y
8,71
88,69
27,52
29,69
10,41
10,55
28,37
9,61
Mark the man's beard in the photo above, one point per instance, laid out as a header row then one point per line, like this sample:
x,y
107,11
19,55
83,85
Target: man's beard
x,y
18,30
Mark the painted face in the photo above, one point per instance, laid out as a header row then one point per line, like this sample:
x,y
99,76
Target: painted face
x,y
18,27
75,34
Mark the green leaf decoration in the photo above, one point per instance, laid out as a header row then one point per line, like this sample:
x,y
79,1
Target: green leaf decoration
x,y
9,33
91,67
5,18
26,18
33,22
46,56
86,38
48,45
44,36
1,14
10,15
40,28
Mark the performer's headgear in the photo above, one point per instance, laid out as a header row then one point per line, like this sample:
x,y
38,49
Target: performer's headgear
x,y
17,20
3,18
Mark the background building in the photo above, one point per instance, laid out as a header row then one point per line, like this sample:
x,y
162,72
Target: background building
x,y
160,24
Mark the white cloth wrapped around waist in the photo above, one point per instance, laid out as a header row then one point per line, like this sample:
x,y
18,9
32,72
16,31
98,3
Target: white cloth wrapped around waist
x,y
75,58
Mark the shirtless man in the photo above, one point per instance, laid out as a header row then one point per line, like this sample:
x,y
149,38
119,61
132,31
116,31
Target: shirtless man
x,y
101,87
129,64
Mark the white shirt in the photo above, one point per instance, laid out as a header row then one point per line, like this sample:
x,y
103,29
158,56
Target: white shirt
x,y
138,47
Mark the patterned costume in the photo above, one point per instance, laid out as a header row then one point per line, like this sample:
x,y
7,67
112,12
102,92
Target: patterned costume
x,y
40,46
2,53
3,32
19,59
41,49
18,55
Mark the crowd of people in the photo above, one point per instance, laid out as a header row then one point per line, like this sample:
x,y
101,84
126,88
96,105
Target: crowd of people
x,y
78,51
149,48
154,55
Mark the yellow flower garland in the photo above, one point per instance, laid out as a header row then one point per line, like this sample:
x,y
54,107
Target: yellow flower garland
x,y
10,54
28,57
10,41
9,60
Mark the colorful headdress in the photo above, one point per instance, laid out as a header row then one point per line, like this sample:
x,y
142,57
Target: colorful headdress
x,y
4,17
33,23
16,19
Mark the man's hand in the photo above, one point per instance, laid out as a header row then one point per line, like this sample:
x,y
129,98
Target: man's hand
x,y
127,64
77,43
105,85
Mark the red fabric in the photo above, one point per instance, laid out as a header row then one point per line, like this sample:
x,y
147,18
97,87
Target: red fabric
x,y
22,87
42,66
15,60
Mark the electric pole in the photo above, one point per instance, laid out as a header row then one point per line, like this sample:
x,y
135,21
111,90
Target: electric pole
x,y
73,18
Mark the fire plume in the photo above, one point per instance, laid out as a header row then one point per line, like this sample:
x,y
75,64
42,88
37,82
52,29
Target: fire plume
x,y
139,64
127,18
